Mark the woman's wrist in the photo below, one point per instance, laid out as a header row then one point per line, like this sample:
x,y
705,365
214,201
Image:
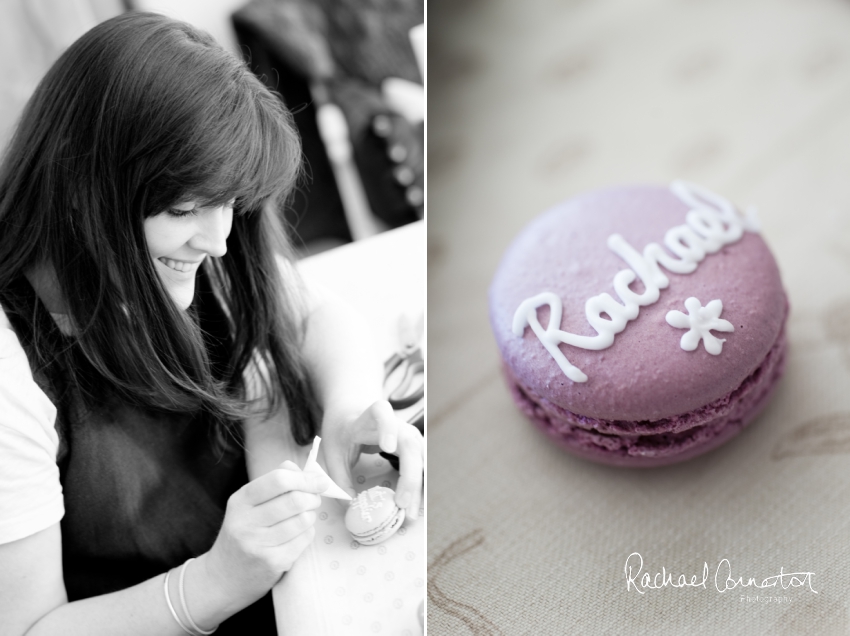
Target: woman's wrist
x,y
209,598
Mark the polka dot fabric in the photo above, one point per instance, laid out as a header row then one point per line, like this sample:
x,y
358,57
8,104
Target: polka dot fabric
x,y
356,589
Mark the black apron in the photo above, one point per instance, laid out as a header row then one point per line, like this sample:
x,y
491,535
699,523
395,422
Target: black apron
x,y
143,492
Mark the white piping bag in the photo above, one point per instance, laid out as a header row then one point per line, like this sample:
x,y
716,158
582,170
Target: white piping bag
x,y
312,466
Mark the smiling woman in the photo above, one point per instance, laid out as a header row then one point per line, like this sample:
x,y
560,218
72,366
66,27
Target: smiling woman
x,y
142,116
149,320
181,238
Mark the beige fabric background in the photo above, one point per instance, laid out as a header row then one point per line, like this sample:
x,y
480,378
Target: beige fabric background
x,y
533,102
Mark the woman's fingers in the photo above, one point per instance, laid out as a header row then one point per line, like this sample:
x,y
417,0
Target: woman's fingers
x,y
289,529
378,425
284,507
280,481
411,464
339,470
267,525
344,441
286,555
386,422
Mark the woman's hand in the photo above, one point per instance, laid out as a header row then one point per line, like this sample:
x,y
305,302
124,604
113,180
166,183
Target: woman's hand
x,y
267,525
348,377
345,435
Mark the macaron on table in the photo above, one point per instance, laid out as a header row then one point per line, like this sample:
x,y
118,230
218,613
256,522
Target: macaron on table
x,y
536,104
651,354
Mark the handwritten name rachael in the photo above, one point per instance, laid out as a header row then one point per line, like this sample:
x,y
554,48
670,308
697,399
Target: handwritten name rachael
x,y
711,223
723,579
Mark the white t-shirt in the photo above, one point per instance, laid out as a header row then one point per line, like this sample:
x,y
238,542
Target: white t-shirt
x,y
30,493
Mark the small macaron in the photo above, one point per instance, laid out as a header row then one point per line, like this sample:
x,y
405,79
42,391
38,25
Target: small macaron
x,y
373,516
640,325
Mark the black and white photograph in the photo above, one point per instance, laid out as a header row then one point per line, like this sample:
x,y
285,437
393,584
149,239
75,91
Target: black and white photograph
x,y
212,317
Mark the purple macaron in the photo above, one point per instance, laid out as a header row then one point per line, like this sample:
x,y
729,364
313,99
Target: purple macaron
x,y
373,516
641,325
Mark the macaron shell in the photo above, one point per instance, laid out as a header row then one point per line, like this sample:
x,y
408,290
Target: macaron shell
x,y
373,516
645,375
383,532
683,437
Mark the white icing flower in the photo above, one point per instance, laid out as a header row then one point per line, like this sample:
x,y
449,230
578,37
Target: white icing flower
x,y
699,322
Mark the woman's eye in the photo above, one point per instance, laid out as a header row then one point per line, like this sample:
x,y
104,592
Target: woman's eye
x,y
177,212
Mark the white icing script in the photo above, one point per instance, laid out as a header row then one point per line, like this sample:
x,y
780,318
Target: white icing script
x,y
368,501
711,223
699,322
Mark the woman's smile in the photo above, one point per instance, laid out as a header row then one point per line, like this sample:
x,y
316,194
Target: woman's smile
x,y
181,266
180,239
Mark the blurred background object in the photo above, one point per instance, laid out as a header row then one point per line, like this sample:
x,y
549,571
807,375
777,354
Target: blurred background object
x,y
213,16
355,56
32,35
346,68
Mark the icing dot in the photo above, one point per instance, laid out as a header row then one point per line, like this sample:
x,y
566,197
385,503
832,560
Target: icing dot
x,y
385,483
368,597
421,512
329,539
340,591
323,515
397,603
389,576
346,620
361,569
418,582
360,479
410,556
354,545
382,549
334,565
376,627
402,531
379,461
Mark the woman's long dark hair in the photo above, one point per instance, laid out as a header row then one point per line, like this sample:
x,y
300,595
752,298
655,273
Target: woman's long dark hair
x,y
140,113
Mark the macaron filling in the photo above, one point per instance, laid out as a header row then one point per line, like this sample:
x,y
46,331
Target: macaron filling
x,y
644,443
383,532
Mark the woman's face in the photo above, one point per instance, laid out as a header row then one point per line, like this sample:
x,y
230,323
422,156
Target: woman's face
x,y
180,238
